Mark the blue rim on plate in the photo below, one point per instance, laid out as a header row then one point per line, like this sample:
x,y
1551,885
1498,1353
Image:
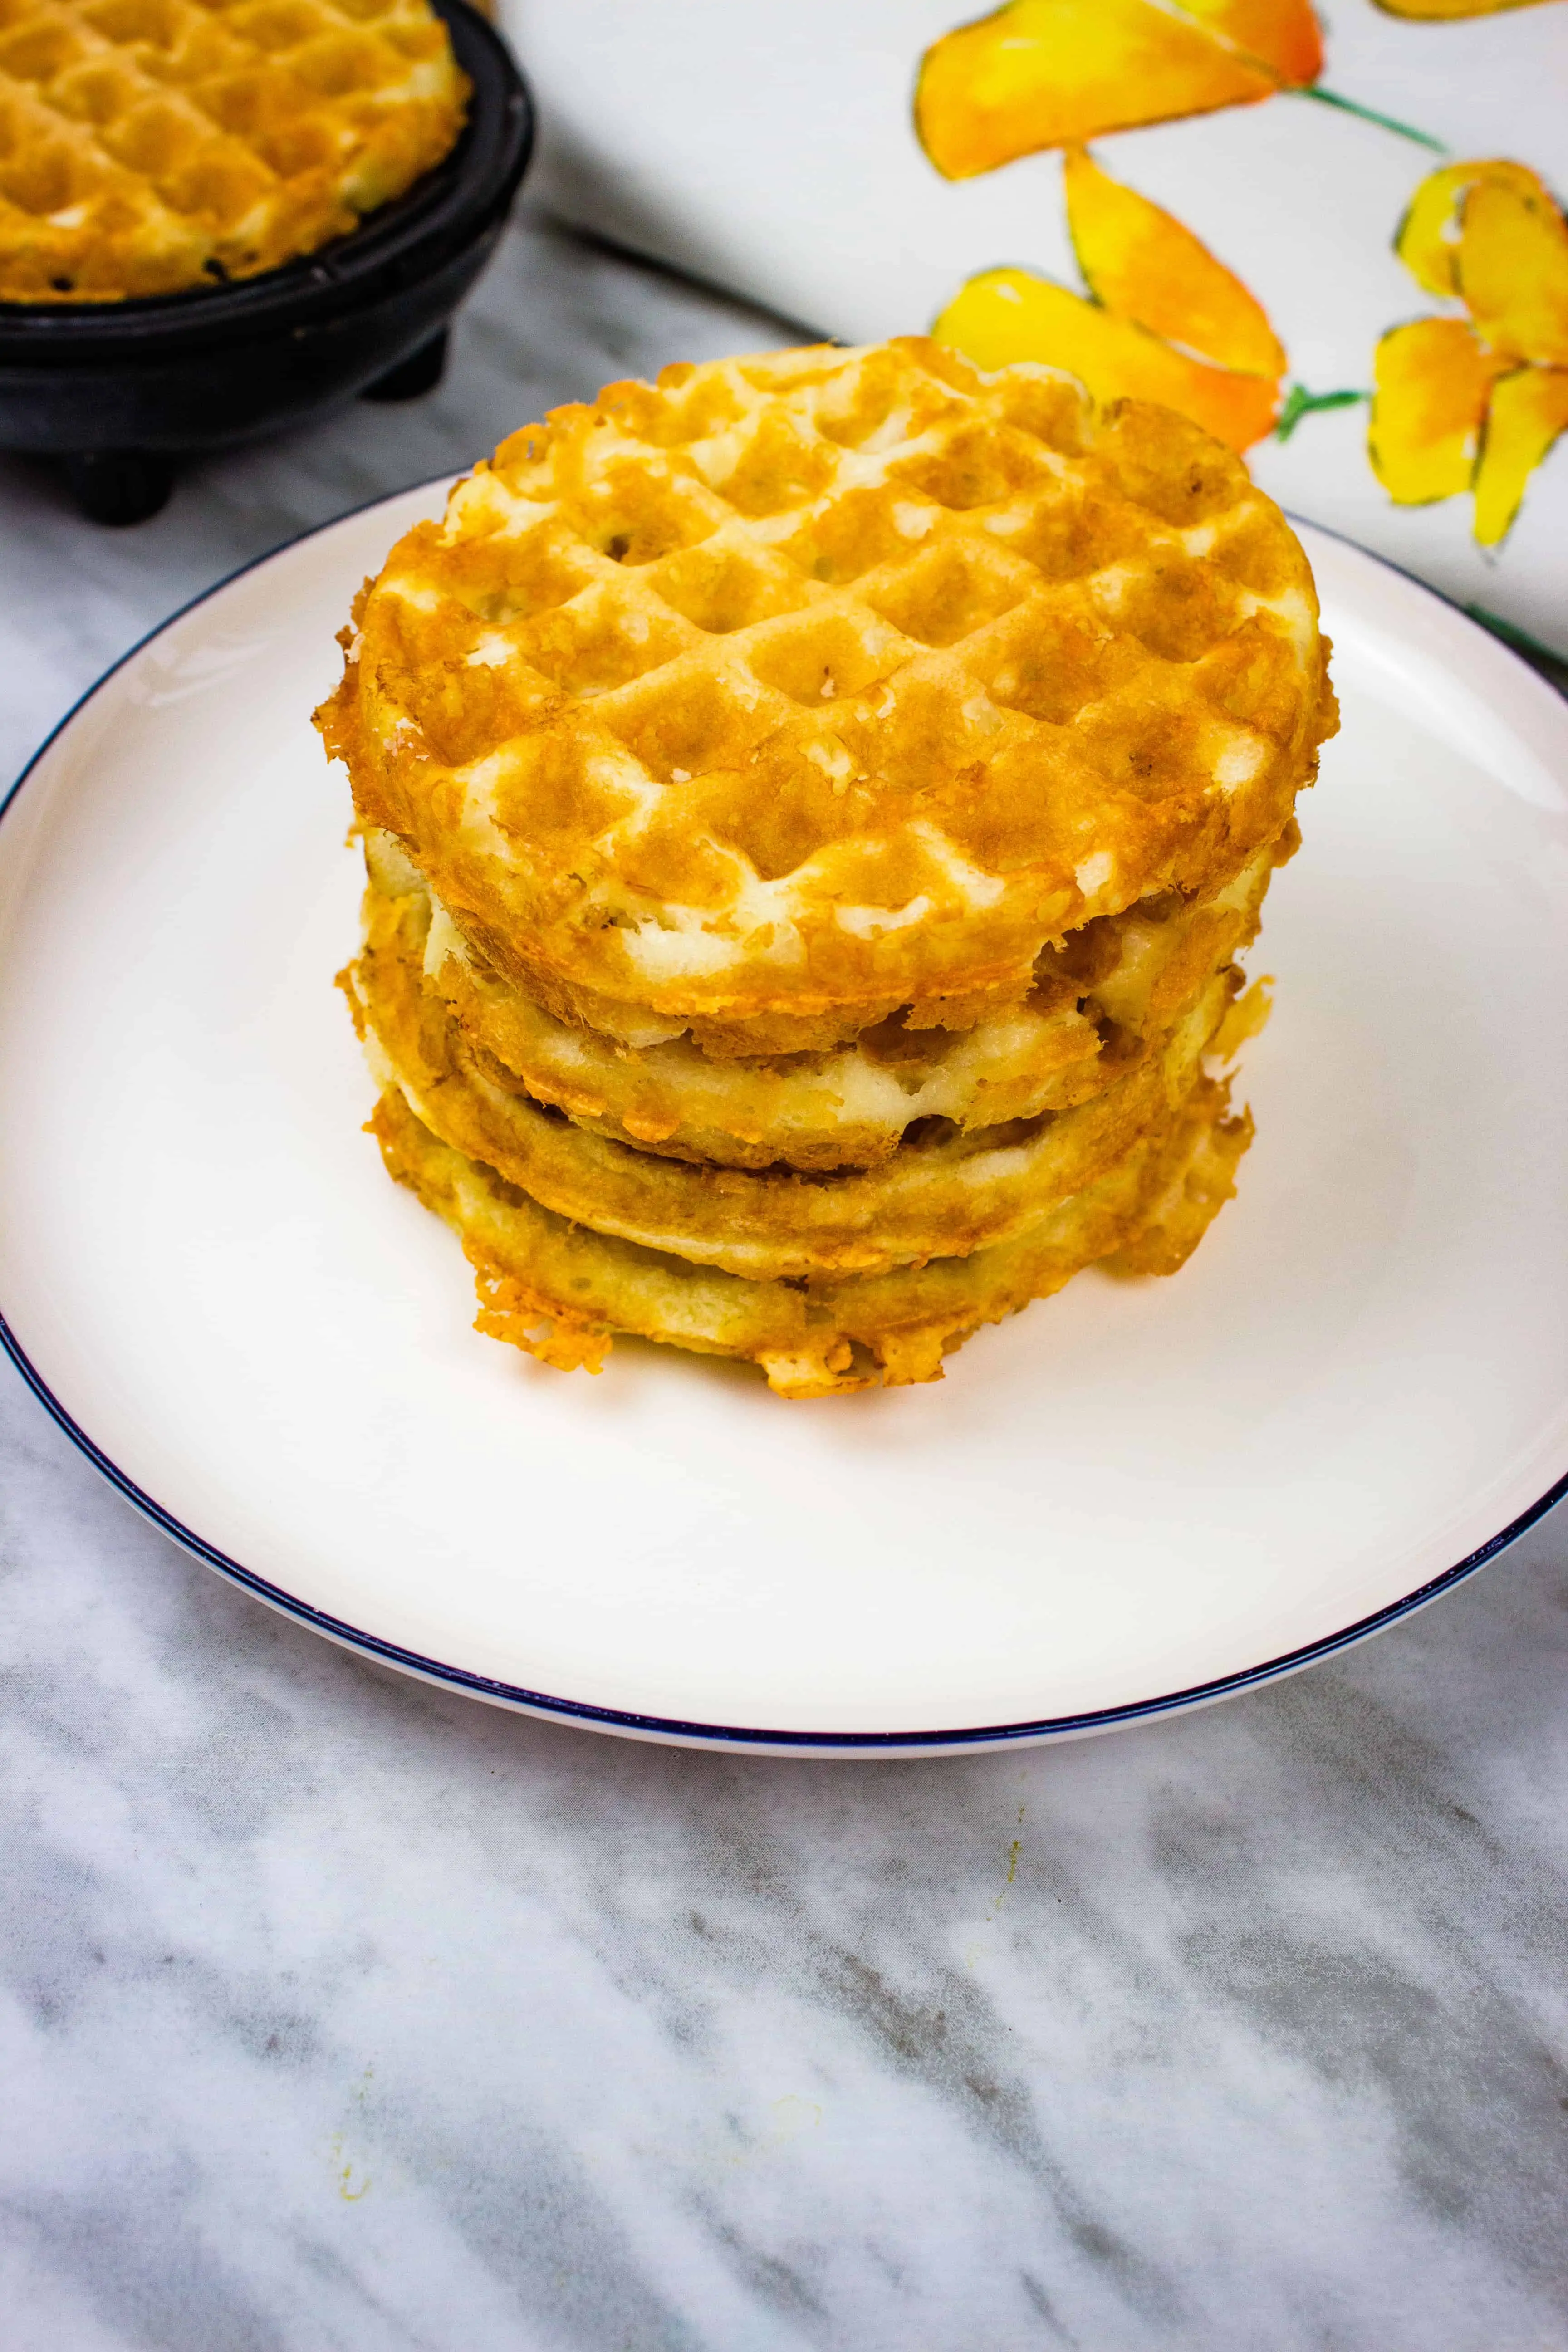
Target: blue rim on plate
x,y
672,1728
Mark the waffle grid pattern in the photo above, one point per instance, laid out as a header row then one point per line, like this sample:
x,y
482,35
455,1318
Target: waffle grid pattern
x,y
819,683
148,146
744,749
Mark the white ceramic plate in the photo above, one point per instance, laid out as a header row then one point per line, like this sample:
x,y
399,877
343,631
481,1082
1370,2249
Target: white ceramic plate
x,y
1128,1500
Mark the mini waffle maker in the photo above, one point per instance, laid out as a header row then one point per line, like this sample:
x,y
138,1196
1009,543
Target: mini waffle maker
x,y
121,391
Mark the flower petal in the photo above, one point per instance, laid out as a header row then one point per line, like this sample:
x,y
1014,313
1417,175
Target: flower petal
x,y
1430,382
1004,315
1283,35
1428,241
1052,73
1513,271
1434,11
1144,264
1528,409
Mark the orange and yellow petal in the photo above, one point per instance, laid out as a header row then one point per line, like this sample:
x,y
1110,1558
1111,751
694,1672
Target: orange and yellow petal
x,y
1006,315
1283,35
1513,271
1145,265
1429,237
1527,412
1430,383
1432,12
1052,73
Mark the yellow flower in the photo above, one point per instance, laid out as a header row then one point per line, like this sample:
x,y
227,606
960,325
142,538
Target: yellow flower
x,y
1166,321
1053,73
1434,11
1476,402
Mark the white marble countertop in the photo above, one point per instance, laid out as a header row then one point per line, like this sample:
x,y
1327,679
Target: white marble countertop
x,y
339,2015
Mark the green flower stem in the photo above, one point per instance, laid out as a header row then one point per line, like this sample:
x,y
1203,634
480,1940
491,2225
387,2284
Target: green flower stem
x,y
1370,114
1299,403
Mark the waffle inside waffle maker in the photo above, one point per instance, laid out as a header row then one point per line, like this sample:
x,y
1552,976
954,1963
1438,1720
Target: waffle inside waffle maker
x,y
242,346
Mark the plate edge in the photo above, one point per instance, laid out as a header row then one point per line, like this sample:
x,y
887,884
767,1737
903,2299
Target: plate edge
x,y
735,1739
746,1738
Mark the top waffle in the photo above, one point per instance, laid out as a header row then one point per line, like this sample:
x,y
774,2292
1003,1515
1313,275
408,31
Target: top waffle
x,y
807,687
151,145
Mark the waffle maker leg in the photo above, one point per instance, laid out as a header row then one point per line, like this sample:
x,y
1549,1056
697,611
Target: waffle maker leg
x,y
420,372
118,485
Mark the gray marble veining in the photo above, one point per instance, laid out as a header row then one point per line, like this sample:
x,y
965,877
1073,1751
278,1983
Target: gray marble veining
x,y
343,2016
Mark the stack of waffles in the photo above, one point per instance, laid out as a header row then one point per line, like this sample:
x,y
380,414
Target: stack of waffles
x,y
148,146
813,807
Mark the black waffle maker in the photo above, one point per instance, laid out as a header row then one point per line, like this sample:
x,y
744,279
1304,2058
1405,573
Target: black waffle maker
x,y
121,391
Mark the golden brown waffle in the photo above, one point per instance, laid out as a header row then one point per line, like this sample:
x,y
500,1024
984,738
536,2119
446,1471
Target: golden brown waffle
x,y
1101,1000
808,687
560,1291
811,808
940,1197
152,145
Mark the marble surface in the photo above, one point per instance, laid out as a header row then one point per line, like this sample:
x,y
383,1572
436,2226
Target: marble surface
x,y
339,2015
